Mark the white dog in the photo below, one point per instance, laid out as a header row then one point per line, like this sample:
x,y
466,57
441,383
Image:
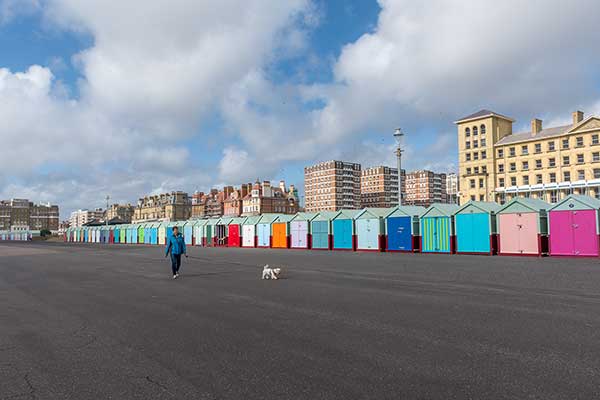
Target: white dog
x,y
270,273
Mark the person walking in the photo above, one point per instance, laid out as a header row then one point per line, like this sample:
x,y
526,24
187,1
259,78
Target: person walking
x,y
176,246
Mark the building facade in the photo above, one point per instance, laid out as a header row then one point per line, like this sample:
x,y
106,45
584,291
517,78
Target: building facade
x,y
122,212
264,198
23,215
423,188
174,206
546,163
233,205
452,187
332,185
379,187
80,218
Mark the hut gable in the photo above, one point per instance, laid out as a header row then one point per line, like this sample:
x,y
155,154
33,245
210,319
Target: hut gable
x,y
440,210
478,207
576,202
524,205
406,211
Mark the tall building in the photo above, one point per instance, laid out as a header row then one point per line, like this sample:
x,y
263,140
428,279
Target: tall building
x,y
379,187
424,188
174,206
23,215
122,212
264,198
452,187
496,164
332,185
81,217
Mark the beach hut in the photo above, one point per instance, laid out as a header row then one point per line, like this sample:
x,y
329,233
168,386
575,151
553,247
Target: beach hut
x,y
162,233
264,231
370,229
402,232
281,231
221,231
300,237
573,227
210,231
321,231
249,231
117,234
234,231
188,232
141,233
199,225
111,237
131,234
475,227
437,229
154,232
343,228
523,227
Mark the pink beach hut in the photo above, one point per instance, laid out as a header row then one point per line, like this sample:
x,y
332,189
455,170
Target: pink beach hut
x,y
574,229
523,228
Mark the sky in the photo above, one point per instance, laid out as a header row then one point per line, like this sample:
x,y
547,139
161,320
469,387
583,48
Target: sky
x,y
133,97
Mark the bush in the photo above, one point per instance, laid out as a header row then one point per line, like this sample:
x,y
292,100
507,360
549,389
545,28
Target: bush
x,y
45,232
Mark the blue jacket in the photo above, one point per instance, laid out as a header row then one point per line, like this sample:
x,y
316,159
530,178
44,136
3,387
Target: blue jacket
x,y
175,244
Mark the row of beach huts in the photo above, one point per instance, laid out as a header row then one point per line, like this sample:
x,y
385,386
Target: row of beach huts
x,y
523,226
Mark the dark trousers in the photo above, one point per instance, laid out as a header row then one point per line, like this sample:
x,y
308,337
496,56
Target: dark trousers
x,y
175,262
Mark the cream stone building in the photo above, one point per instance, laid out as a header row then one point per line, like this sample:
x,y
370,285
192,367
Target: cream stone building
x,y
496,164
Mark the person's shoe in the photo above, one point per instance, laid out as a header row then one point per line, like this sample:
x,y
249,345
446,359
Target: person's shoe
x,y
175,276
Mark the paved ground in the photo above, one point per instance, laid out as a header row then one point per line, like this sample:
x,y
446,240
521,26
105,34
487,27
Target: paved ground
x,y
97,322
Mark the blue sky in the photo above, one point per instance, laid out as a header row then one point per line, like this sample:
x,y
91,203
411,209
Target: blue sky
x,y
133,97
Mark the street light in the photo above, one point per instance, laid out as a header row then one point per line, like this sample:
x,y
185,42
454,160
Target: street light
x,y
106,217
399,136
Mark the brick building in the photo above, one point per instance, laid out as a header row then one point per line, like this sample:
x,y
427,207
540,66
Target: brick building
x,y
22,215
424,188
379,187
263,198
332,185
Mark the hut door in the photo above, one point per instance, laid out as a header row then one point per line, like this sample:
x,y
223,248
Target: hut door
x,y
527,236
585,240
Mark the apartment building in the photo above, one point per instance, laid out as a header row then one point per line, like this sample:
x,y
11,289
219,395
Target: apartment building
x,y
22,215
174,206
452,187
82,217
121,212
264,198
496,164
423,188
379,187
234,204
332,185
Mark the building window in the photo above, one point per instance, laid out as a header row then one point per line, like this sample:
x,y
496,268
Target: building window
x,y
565,143
483,142
476,170
500,153
552,162
551,146
474,131
595,140
483,155
580,159
526,180
468,157
538,179
468,132
538,164
501,182
581,175
482,129
469,171
525,165
513,181
524,150
511,152
472,198
553,196
475,144
467,145
596,173
566,176
553,177
500,168
513,167
579,141
596,156
566,160
484,169
476,156
481,183
538,147
472,183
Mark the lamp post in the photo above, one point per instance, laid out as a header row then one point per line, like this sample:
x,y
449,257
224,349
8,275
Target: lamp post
x,y
399,136
106,217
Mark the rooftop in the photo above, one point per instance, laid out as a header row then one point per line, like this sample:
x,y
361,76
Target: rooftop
x,y
483,114
544,133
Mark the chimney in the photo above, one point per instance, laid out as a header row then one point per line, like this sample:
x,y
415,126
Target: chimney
x,y
536,126
577,117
